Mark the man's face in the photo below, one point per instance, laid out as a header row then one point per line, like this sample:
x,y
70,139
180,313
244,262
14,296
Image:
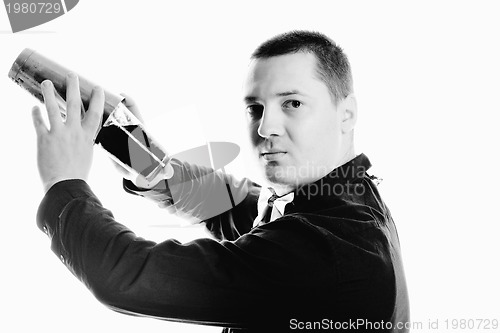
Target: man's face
x,y
294,123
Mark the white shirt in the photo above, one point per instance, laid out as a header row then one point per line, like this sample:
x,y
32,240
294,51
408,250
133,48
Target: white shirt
x,y
269,199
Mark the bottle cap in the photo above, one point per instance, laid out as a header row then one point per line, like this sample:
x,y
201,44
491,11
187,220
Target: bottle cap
x,y
19,63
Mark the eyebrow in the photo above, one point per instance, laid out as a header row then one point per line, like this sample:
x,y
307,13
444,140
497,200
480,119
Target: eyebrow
x,y
252,99
288,93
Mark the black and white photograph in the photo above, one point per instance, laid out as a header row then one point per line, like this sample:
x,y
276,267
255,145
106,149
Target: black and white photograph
x,y
250,166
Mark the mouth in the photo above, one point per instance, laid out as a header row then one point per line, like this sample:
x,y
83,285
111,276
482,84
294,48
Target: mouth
x,y
272,155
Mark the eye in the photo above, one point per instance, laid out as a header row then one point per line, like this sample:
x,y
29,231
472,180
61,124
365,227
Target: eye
x,y
255,110
292,104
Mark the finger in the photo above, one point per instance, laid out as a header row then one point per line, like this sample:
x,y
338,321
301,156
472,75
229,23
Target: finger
x,y
73,99
93,116
38,122
51,104
132,106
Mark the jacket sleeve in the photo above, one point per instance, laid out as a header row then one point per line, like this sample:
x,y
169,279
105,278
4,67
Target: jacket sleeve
x,y
203,281
201,194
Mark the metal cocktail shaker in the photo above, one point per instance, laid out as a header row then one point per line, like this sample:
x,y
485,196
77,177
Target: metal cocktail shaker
x,y
121,134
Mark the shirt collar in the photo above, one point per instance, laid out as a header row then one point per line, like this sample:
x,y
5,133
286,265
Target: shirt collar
x,y
332,187
268,199
339,184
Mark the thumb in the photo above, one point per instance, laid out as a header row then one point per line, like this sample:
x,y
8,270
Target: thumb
x,y
132,106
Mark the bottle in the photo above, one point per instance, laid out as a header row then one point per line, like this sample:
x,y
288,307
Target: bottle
x,y
121,134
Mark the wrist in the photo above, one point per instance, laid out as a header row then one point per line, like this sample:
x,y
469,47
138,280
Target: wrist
x,y
148,184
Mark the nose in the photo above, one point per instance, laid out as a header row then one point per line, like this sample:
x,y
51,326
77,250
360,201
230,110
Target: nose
x,y
271,123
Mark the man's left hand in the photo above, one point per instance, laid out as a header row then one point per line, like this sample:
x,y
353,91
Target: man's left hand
x,y
65,150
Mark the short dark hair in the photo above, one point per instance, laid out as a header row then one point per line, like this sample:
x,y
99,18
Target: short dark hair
x,y
333,66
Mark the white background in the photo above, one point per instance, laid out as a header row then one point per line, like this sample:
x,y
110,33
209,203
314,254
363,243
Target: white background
x,y
426,76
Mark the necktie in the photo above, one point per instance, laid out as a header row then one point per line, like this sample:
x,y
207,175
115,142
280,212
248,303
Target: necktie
x,y
271,206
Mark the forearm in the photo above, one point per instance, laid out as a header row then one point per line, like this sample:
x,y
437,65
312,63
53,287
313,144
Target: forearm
x,y
203,281
168,280
202,194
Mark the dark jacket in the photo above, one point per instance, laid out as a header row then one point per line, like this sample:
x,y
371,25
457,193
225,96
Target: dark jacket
x,y
332,261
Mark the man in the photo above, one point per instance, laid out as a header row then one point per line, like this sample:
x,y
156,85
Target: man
x,y
317,249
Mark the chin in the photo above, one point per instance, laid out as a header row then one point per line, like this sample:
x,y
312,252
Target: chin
x,y
280,176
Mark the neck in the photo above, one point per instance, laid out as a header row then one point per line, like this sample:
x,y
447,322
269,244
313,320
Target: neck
x,y
348,155
281,189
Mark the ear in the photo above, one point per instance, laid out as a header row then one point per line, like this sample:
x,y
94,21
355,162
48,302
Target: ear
x,y
349,107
